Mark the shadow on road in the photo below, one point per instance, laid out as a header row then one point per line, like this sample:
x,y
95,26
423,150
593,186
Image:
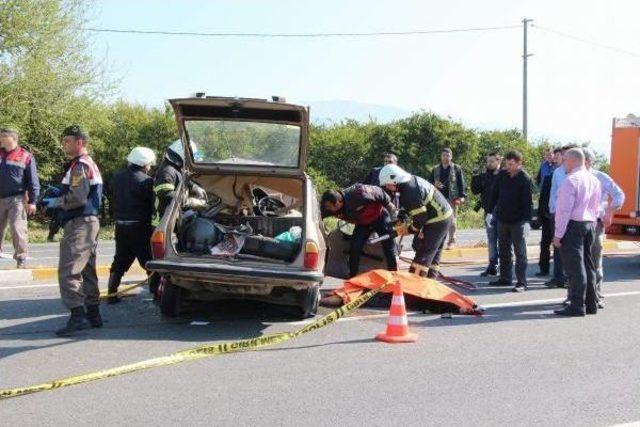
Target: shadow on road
x,y
136,319
498,314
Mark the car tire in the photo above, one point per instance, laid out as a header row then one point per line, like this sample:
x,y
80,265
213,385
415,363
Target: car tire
x,y
170,299
309,302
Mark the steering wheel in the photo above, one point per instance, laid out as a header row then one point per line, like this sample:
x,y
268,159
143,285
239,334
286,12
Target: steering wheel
x,y
270,206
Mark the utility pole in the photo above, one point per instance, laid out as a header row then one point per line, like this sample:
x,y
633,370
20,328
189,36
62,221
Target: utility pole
x,y
525,56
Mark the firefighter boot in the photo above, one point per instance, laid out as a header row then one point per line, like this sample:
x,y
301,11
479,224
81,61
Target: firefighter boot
x,y
93,315
114,282
77,322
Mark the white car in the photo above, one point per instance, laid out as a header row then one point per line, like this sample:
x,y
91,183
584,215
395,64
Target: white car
x,y
250,160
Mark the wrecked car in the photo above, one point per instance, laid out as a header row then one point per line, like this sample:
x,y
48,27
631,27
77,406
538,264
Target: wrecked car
x,y
258,233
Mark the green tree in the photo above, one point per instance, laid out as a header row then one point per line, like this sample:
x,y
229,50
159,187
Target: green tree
x,y
48,79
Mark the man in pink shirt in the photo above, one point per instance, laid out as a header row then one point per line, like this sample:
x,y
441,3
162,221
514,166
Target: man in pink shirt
x,y
575,222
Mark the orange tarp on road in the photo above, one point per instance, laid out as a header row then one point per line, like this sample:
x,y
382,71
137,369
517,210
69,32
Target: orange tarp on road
x,y
435,296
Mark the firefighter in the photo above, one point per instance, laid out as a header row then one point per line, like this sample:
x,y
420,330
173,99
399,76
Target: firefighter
x,y
79,204
429,216
369,208
133,203
169,176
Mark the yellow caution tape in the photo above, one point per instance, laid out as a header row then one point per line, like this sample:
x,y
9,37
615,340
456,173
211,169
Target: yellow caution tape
x,y
122,291
196,353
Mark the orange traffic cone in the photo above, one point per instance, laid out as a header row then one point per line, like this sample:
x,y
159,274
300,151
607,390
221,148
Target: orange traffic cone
x,y
397,324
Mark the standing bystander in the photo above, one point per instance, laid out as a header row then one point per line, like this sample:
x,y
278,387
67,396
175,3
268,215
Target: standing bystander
x,y
611,200
483,184
449,180
575,223
559,279
512,199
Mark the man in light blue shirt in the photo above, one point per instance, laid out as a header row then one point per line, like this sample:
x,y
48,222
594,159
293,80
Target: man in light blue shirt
x,y
559,279
610,191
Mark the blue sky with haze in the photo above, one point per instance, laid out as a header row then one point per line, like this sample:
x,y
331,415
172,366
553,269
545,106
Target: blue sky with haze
x,y
575,88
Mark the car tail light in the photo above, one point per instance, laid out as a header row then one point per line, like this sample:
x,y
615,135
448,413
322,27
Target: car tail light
x,y
311,255
157,244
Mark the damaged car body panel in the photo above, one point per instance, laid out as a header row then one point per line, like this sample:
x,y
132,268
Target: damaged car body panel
x,y
258,234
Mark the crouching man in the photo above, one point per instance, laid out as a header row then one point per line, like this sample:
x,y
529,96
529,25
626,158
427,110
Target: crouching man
x,y
429,217
369,208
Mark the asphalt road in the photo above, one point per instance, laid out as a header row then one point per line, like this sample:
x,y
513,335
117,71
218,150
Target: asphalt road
x,y
46,254
517,365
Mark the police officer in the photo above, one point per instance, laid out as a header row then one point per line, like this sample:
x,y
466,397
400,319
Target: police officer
x,y
79,205
169,176
369,208
133,203
429,216
19,190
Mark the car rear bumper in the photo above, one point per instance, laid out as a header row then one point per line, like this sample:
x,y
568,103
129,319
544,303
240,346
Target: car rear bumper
x,y
233,274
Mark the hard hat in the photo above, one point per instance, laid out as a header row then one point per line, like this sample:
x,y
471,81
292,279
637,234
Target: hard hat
x,y
176,147
142,156
393,174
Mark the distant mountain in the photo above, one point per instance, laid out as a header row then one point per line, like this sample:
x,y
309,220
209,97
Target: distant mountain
x,y
336,110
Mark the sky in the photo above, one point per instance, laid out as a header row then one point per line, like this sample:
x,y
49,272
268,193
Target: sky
x,y
575,88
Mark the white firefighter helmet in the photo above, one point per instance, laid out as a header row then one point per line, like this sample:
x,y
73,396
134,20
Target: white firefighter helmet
x,y
393,174
176,147
142,156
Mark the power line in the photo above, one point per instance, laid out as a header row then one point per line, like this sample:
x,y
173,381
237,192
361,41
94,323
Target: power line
x,y
300,35
589,42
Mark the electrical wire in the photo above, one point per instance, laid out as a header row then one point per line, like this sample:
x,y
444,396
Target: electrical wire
x,y
300,35
589,42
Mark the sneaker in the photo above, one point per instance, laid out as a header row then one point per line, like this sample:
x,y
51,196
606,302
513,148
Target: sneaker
x,y
601,304
519,287
499,282
490,271
566,302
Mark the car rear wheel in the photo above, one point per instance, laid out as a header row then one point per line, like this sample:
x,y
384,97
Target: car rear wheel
x,y
309,301
170,298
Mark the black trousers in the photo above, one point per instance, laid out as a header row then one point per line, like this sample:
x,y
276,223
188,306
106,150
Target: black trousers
x,y
429,247
132,241
577,261
360,236
545,243
513,235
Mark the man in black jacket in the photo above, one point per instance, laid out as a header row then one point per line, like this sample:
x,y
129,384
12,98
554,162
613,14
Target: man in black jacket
x,y
512,199
133,204
449,180
483,184
545,217
369,208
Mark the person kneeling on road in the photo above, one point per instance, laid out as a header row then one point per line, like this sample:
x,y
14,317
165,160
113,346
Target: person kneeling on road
x,y
429,216
133,203
369,208
79,205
